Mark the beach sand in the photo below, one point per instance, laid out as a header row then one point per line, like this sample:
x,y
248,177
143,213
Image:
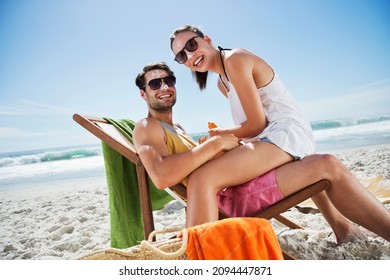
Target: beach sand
x,y
64,223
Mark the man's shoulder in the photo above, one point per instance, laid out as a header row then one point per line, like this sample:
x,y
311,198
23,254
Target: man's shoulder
x,y
147,122
147,126
147,130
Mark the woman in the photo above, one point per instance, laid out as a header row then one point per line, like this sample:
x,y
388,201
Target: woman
x,y
262,107
263,110
275,132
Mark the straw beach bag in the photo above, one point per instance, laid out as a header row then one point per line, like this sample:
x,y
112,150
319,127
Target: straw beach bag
x,y
168,249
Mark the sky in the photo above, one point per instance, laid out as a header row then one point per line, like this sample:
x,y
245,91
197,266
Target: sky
x,y
60,57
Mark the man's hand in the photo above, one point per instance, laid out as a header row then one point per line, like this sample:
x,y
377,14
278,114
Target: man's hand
x,y
202,139
228,141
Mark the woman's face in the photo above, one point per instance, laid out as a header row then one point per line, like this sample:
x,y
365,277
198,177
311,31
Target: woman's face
x,y
191,49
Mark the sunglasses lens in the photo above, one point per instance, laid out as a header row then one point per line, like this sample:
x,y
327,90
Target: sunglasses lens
x,y
191,45
181,57
170,81
155,84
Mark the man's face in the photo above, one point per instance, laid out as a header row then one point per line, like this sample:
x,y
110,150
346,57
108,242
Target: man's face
x,y
162,98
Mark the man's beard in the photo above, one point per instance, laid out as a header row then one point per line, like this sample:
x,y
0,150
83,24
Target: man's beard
x,y
161,108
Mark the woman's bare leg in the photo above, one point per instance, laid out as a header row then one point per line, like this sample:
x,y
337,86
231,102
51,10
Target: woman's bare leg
x,y
237,166
345,198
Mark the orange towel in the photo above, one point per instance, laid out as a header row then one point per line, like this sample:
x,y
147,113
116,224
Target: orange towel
x,y
233,239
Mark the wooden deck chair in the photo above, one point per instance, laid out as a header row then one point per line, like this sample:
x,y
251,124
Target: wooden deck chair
x,y
112,137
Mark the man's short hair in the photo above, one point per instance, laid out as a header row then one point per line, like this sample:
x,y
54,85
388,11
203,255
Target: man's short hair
x,y
140,79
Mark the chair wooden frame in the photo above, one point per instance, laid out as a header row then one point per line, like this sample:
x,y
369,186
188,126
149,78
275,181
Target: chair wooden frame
x,y
98,127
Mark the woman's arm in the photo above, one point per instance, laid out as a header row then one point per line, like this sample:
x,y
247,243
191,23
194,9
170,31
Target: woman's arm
x,y
240,67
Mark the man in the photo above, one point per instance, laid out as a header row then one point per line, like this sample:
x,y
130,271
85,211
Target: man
x,y
170,157
150,134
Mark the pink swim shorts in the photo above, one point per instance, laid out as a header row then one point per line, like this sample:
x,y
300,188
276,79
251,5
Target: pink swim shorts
x,y
247,199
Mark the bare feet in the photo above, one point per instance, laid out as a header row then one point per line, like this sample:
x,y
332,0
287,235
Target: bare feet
x,y
354,233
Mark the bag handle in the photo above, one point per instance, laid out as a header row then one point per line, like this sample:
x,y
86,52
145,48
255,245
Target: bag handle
x,y
148,244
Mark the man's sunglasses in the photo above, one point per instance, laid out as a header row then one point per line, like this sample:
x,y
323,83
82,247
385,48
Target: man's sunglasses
x,y
191,46
155,84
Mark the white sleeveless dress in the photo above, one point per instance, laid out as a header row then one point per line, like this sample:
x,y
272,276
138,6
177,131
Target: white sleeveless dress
x,y
287,128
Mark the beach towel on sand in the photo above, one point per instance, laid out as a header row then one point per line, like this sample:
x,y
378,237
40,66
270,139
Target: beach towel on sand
x,y
125,209
233,239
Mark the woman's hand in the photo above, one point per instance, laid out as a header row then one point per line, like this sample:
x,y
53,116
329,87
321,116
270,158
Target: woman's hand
x,y
214,129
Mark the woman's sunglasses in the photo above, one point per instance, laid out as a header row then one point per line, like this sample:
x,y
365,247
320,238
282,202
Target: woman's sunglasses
x,y
191,46
155,84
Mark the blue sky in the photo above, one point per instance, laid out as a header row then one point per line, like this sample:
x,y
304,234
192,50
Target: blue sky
x,y
59,57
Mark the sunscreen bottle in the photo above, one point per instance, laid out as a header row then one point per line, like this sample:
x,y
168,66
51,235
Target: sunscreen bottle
x,y
211,125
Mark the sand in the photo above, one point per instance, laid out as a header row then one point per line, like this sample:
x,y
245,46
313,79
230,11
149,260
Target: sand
x,y
66,222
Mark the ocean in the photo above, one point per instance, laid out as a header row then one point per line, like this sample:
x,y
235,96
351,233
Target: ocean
x,y
56,166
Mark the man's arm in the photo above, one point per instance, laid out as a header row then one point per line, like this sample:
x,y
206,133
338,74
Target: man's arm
x,y
164,169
